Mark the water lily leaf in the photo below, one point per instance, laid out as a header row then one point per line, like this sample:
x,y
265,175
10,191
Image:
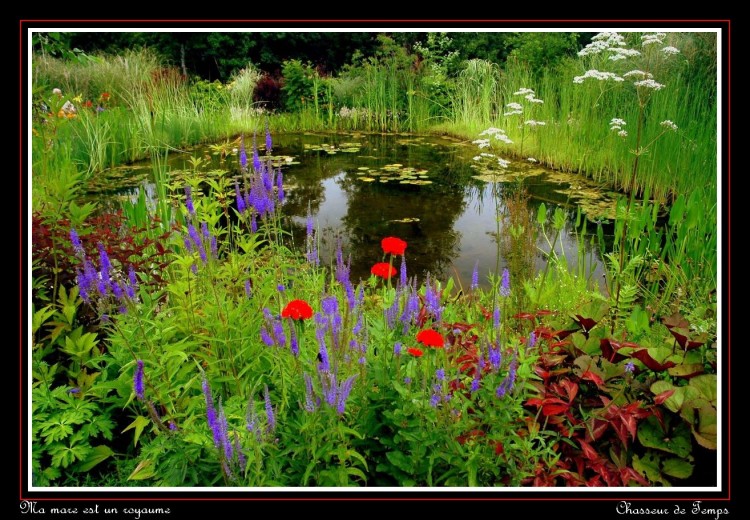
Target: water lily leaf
x,y
366,179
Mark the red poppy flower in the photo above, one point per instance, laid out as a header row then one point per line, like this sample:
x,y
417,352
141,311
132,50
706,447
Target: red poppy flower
x,y
415,352
430,338
393,245
297,310
383,270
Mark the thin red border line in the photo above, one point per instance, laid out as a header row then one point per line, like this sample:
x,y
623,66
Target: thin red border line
x,y
350,499
728,285
273,20
20,257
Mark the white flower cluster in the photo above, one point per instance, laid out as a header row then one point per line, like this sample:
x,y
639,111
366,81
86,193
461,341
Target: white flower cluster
x,y
598,74
482,143
491,131
515,109
503,163
531,122
602,42
651,38
532,160
619,53
504,138
533,99
616,124
639,73
670,51
649,83
523,91
668,124
485,154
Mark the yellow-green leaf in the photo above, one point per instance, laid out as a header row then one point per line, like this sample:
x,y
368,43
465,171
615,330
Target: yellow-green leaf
x,y
97,455
143,471
139,424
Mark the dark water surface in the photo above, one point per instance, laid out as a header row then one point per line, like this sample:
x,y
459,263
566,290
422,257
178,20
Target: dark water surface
x,y
428,191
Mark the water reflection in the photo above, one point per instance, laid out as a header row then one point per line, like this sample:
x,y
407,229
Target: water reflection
x,y
366,191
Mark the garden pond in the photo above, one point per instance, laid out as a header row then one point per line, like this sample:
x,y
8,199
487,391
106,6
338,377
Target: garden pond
x,y
437,193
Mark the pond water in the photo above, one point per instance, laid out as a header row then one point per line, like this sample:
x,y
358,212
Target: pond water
x,y
429,191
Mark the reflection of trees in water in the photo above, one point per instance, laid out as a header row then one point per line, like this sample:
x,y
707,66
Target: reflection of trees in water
x,y
372,210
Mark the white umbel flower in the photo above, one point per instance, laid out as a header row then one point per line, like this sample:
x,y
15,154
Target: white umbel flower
x,y
668,124
598,75
639,73
649,83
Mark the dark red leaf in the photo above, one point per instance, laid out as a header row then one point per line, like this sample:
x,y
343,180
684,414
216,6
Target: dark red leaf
x,y
586,323
526,316
609,350
650,362
554,406
588,452
590,376
596,431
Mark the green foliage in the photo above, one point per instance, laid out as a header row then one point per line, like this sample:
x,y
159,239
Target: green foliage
x,y
298,85
72,423
197,322
542,51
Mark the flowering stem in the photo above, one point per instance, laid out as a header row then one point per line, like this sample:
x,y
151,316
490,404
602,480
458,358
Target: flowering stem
x,y
634,173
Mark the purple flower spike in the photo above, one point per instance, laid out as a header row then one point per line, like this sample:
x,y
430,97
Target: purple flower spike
x,y
269,411
280,186
213,422
269,142
475,277
240,199
138,380
189,200
76,242
505,286
243,154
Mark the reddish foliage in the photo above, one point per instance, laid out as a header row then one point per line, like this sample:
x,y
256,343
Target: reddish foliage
x,y
577,404
125,247
267,92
